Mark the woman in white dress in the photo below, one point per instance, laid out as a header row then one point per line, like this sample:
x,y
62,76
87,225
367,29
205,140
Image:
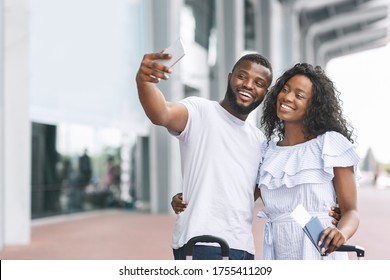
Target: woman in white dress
x,y
309,159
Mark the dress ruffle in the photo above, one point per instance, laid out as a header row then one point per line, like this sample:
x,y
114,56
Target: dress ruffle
x,y
307,163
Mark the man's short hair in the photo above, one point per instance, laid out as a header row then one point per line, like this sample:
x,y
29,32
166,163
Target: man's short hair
x,y
256,58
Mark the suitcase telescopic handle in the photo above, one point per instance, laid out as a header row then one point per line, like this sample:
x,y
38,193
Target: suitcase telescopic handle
x,y
352,248
208,239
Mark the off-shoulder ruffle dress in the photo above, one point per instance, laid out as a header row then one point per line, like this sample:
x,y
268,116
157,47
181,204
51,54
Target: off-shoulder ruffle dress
x,y
300,174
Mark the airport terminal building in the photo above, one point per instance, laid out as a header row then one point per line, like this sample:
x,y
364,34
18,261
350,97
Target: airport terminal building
x,y
68,87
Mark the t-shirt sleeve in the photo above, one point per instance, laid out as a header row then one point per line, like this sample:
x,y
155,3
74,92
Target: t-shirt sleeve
x,y
194,106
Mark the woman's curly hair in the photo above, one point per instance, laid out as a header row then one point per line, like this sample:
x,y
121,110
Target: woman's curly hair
x,y
324,112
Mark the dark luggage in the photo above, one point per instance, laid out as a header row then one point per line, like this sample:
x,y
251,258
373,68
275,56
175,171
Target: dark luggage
x,y
208,239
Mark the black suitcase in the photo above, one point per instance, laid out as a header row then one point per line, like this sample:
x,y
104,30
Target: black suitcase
x,y
225,246
353,248
208,239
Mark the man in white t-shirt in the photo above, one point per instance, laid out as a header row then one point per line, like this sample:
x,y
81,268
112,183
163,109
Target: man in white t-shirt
x,y
220,153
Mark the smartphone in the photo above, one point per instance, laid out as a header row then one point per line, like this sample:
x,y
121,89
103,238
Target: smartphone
x,y
177,52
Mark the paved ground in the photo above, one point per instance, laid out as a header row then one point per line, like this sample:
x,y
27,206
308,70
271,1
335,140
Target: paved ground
x,y
130,235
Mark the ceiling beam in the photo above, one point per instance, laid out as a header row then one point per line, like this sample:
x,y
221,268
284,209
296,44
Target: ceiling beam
x,y
360,15
375,33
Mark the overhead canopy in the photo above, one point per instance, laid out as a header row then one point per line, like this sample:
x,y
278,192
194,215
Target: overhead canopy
x,y
333,28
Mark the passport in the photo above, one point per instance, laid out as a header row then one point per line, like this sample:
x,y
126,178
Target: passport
x,y
310,225
313,230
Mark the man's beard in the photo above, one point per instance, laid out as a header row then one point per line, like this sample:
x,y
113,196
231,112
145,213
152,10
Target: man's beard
x,y
242,110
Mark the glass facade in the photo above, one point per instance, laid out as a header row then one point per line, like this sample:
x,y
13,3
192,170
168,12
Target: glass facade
x,y
83,98
77,168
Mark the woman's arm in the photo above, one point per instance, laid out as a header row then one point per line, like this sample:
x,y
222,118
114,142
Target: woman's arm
x,y
346,192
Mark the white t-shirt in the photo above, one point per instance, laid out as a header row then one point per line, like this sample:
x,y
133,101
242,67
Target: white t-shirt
x,y
220,156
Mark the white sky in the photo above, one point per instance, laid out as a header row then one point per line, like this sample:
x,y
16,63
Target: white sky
x,y
364,82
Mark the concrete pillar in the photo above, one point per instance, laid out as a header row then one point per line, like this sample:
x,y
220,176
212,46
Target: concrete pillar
x,y
15,137
230,43
165,170
142,173
263,27
291,35
279,41
2,120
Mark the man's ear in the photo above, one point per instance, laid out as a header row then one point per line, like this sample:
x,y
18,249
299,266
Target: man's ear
x,y
230,76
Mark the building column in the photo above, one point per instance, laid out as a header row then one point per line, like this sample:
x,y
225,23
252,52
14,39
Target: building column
x,y
2,115
263,24
16,127
292,34
165,172
230,43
